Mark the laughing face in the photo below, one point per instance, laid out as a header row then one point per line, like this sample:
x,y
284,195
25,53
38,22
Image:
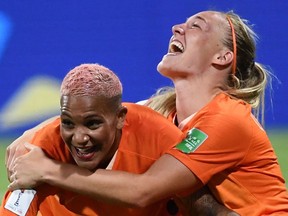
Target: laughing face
x,y
91,129
193,45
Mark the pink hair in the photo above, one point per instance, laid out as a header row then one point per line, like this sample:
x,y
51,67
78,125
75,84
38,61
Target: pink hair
x,y
91,80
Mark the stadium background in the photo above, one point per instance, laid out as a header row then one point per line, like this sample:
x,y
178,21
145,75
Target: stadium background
x,y
40,41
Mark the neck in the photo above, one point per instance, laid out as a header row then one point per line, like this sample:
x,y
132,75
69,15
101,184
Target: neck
x,y
192,95
112,151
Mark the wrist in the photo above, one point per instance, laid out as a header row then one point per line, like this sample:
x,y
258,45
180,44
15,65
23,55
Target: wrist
x,y
50,172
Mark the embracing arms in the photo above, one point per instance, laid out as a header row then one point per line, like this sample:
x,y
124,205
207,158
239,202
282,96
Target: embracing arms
x,y
17,148
164,178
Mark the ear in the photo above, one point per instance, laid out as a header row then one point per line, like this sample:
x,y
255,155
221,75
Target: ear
x,y
223,58
121,117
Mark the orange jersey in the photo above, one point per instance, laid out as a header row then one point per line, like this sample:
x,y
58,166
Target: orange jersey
x,y
227,149
146,135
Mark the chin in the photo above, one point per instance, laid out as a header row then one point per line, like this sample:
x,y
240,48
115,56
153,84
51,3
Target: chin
x,y
162,69
166,72
87,165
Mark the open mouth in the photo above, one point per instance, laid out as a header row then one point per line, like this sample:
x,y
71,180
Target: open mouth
x,y
176,47
85,153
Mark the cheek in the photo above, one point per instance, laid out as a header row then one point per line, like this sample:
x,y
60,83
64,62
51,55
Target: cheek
x,y
66,136
105,136
101,136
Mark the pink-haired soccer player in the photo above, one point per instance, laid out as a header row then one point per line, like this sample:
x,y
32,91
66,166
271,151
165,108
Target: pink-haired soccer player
x,y
95,130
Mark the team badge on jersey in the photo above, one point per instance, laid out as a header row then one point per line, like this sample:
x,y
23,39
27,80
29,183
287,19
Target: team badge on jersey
x,y
194,139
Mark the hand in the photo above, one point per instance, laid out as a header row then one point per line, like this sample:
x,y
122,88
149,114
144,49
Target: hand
x,y
16,149
28,169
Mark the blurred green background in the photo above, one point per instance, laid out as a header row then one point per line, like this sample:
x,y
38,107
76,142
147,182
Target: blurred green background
x,y
279,139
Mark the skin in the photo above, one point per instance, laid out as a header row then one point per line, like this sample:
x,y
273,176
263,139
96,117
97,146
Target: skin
x,y
92,135
199,73
17,148
201,70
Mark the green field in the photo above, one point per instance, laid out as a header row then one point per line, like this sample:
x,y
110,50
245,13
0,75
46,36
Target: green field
x,y
3,177
279,139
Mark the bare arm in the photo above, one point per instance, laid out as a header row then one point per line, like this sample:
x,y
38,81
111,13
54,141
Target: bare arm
x,y
203,203
16,148
167,176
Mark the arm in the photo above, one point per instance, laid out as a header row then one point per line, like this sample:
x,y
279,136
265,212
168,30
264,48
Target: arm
x,y
16,148
115,186
164,178
203,203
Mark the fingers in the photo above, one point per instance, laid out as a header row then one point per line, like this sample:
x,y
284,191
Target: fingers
x,y
29,146
17,147
9,158
11,171
11,150
6,163
7,153
23,168
12,153
16,181
13,185
13,177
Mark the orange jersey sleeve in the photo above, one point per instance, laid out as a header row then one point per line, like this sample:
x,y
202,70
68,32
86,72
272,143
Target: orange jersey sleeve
x,y
48,138
227,149
146,135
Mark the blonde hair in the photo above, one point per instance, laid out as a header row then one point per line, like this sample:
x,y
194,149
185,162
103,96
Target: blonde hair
x,y
250,78
163,101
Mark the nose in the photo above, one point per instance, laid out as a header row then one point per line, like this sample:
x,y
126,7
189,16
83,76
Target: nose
x,y
80,137
178,29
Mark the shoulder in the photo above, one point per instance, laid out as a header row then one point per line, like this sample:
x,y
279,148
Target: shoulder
x,y
49,139
143,114
147,133
144,121
51,129
229,109
224,114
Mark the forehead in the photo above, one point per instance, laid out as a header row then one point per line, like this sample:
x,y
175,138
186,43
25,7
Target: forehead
x,y
209,17
212,22
84,103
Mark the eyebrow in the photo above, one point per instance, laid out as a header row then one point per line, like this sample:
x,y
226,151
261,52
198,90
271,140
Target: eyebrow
x,y
201,18
198,17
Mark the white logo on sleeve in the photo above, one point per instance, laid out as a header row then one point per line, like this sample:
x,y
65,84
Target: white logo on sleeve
x,y
19,201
